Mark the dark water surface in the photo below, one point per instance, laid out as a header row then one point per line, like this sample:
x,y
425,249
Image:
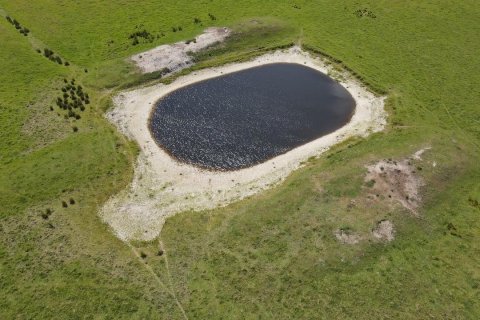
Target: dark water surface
x,y
247,117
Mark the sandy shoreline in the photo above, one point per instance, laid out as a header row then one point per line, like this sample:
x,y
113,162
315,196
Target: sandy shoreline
x,y
162,186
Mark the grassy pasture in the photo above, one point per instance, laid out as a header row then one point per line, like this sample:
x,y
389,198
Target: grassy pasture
x,y
272,255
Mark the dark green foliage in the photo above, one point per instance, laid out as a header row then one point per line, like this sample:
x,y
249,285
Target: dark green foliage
x,y
47,53
143,255
67,63
64,204
212,17
75,128
72,201
197,20
174,29
143,34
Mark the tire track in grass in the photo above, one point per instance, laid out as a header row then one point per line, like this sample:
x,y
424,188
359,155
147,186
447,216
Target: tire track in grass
x,y
157,278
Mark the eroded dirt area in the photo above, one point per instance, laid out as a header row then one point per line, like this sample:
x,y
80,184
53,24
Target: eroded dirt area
x,y
175,57
389,183
397,180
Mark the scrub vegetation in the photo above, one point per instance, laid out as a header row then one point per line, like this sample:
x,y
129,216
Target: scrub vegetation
x,y
274,255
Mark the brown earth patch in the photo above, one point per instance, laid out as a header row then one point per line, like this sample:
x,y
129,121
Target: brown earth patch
x,y
397,181
384,231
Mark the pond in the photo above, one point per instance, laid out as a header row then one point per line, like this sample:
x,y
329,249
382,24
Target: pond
x,y
244,118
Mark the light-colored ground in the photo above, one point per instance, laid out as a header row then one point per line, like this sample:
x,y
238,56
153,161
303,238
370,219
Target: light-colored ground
x,y
176,56
162,186
397,181
384,231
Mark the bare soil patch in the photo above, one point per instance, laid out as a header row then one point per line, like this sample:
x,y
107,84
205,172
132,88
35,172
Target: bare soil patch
x,y
397,181
384,231
175,57
347,236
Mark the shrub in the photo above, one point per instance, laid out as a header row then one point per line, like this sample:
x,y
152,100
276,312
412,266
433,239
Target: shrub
x,y
67,63
143,255
86,70
64,204
174,29
48,53
197,21
77,116
75,129
212,17
9,19
72,201
179,28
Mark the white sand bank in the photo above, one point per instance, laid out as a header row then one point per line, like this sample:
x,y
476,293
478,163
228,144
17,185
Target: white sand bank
x,y
162,186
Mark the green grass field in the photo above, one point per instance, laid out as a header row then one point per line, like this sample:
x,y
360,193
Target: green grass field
x,y
273,255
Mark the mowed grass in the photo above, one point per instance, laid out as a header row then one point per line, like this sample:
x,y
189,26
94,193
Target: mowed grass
x,y
273,255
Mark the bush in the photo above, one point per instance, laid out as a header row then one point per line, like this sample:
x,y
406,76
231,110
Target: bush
x,y
143,255
174,29
75,129
72,201
197,21
212,17
64,204
67,63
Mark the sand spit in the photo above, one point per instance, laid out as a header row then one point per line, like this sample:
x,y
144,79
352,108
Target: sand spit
x,y
162,186
175,57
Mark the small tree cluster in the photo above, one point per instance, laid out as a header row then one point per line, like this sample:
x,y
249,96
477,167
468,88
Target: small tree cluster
x,y
50,55
73,100
143,34
23,30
